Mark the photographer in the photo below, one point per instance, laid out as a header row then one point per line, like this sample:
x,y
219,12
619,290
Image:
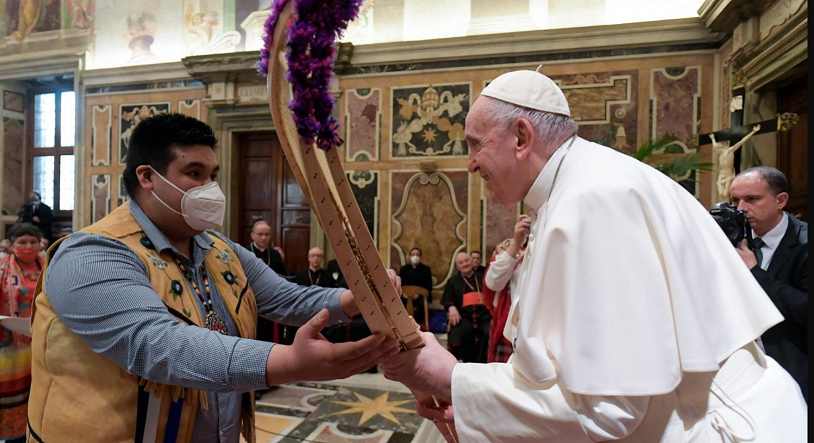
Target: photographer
x,y
37,213
779,263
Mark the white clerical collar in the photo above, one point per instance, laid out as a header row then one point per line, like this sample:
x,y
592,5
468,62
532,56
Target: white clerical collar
x,y
258,247
537,195
775,236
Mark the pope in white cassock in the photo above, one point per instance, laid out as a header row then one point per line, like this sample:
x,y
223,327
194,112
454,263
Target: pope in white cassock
x,y
635,318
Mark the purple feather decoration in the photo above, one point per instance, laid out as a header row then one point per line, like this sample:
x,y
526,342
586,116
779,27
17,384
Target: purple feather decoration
x,y
310,52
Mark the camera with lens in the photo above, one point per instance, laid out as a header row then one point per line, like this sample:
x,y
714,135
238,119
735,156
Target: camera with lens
x,y
734,224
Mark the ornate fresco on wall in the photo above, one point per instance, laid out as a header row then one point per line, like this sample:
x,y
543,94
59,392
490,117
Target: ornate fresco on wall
x,y
428,120
363,111
102,135
429,212
100,196
130,116
365,187
25,17
13,156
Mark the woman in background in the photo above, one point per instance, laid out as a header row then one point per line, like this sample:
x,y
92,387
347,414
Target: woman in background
x,y
19,272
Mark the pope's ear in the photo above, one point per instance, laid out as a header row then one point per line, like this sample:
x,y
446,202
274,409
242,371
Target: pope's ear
x,y
524,133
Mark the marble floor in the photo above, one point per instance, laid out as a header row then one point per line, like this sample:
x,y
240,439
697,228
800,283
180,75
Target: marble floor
x,y
365,408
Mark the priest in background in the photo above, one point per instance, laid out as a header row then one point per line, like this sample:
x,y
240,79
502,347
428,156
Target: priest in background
x,y
267,330
261,240
634,318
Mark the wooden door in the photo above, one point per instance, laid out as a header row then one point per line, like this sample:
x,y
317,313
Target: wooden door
x,y
792,146
269,191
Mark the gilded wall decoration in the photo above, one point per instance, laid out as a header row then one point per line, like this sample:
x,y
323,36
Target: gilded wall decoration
x,y
365,187
428,121
130,116
13,158
429,212
100,196
190,108
101,135
363,111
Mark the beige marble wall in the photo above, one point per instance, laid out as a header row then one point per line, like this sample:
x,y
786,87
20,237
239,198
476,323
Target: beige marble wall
x,y
12,152
606,95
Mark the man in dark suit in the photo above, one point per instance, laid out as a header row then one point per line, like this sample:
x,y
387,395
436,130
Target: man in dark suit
x,y
314,275
780,264
37,213
260,245
416,273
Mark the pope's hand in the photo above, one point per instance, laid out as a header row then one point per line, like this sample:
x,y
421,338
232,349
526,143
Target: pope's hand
x,y
427,369
454,316
747,255
313,358
442,413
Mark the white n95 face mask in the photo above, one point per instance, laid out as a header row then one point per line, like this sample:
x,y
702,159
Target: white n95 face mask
x,y
203,207
414,259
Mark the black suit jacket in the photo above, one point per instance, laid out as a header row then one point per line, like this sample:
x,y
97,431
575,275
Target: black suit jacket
x,y
302,278
421,275
43,212
786,283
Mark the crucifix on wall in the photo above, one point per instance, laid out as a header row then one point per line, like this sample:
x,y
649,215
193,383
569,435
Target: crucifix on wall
x,y
729,157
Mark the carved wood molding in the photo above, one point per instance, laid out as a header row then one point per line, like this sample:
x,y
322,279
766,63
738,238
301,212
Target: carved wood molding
x,y
725,15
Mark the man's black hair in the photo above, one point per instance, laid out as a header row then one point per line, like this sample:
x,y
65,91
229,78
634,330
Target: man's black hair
x,y
154,140
416,249
775,179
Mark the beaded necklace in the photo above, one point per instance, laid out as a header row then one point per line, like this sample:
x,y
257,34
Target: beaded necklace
x,y
212,321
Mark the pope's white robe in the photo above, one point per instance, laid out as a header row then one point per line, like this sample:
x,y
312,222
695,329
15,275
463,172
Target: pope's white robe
x,y
634,320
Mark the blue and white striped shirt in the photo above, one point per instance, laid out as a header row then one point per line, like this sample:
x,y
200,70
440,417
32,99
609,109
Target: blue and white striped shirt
x,y
100,290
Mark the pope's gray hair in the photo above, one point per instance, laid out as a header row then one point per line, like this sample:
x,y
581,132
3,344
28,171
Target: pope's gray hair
x,y
553,129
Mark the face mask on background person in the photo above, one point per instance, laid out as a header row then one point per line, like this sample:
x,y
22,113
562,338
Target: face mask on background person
x,y
203,207
26,254
414,259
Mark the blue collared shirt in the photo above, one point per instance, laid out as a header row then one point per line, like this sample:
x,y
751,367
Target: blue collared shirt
x,y
100,290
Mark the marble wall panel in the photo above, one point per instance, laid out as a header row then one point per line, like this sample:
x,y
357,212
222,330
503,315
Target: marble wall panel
x,y
497,224
429,211
130,116
13,159
365,187
190,108
100,196
675,102
101,135
428,120
363,110
604,105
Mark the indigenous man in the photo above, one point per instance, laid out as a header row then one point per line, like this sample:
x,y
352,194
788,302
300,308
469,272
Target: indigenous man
x,y
634,320
142,328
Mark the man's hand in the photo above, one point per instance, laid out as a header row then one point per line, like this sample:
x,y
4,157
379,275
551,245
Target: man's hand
x,y
427,369
454,316
747,255
312,358
521,232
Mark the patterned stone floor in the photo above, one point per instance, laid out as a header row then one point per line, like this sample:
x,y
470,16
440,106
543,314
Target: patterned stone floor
x,y
365,408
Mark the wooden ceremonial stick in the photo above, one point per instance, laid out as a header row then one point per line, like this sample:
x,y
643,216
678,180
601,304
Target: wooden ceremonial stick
x,y
323,181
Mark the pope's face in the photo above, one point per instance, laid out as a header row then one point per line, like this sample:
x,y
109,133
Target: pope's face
x,y
764,210
491,154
